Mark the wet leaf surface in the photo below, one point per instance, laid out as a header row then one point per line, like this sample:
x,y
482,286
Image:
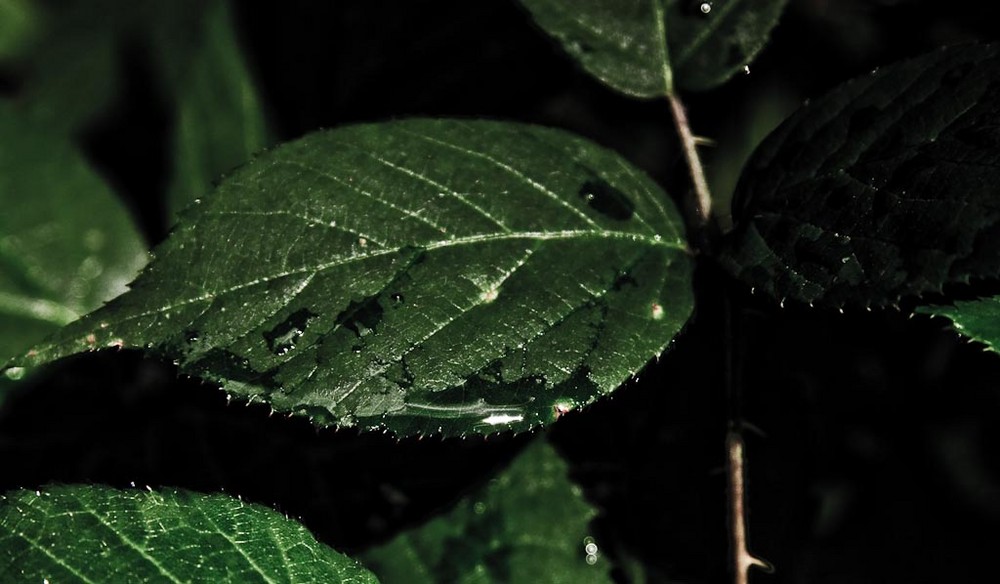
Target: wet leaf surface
x,y
424,276
529,524
883,189
99,534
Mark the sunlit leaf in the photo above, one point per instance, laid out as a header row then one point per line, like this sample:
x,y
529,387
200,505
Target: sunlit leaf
x,y
529,524
425,276
885,188
99,534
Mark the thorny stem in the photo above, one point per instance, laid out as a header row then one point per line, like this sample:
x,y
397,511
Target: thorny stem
x,y
741,557
703,198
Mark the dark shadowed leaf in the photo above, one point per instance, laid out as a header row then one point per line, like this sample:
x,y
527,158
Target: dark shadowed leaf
x,y
99,534
219,122
887,187
646,47
427,275
66,243
976,319
529,524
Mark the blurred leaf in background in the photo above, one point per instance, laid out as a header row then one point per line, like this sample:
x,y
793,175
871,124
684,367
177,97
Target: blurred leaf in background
x,y
66,243
18,27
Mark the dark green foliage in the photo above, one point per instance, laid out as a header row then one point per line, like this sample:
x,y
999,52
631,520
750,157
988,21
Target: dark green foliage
x,y
645,48
387,275
529,524
97,534
885,188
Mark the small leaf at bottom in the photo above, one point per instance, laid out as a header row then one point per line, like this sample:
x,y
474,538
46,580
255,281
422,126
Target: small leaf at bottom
x,y
529,524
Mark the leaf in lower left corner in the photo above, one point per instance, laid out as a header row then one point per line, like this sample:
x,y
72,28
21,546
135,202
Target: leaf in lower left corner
x,y
80,533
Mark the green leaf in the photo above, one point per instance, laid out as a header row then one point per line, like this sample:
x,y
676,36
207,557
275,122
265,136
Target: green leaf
x,y
882,189
530,524
66,243
18,26
976,319
99,534
644,47
219,119
425,276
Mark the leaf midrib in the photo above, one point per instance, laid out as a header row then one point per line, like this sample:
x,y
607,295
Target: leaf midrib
x,y
428,246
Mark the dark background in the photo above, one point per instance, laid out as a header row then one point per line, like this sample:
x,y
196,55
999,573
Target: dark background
x,y
872,462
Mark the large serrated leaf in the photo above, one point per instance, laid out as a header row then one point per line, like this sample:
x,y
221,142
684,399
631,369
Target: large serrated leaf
x,y
530,524
99,534
66,243
887,187
645,47
425,276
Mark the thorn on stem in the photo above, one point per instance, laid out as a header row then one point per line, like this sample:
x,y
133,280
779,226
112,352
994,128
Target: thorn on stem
x,y
742,559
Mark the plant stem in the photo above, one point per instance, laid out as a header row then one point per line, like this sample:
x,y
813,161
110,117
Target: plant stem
x,y
703,198
742,559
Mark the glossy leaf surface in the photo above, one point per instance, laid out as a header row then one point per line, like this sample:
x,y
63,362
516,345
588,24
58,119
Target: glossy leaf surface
x,y
976,319
529,524
885,188
425,276
644,48
99,534
66,243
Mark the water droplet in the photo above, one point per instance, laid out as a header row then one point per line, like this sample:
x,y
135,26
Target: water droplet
x,y
14,373
197,201
479,508
498,419
705,7
590,549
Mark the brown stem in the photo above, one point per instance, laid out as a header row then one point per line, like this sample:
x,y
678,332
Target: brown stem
x,y
742,559
703,198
